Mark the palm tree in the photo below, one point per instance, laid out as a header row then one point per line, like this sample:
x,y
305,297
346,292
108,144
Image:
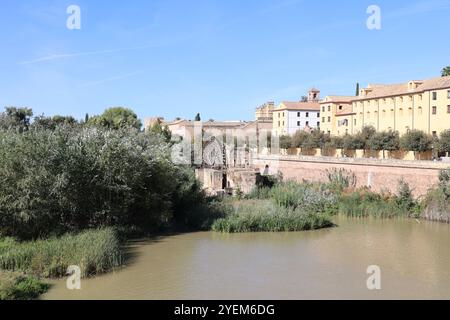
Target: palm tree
x,y
446,72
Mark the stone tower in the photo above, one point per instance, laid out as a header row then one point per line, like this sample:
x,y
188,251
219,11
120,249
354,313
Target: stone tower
x,y
314,95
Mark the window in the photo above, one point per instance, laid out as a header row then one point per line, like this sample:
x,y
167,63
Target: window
x,y
434,95
307,123
448,94
318,114
355,122
448,109
318,124
298,124
434,133
279,124
307,114
323,109
340,107
298,114
329,119
329,108
323,119
346,131
283,123
434,110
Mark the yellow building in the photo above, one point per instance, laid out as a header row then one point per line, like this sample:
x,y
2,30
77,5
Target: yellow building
x,y
336,115
265,112
418,104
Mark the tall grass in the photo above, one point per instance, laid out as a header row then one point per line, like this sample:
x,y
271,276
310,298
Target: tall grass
x,y
94,251
364,203
265,216
310,197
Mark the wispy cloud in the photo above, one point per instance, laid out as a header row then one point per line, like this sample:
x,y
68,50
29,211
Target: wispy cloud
x,y
115,78
86,53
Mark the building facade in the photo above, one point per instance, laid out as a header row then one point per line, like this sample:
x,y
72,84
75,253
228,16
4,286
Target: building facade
x,y
416,105
265,112
290,117
336,115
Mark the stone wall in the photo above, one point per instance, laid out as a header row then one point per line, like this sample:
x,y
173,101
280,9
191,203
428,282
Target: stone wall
x,y
377,174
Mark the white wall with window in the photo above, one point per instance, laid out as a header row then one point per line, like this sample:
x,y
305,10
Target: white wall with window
x,y
300,119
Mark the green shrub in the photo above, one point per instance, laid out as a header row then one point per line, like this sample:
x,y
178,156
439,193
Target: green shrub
x,y
311,198
365,203
16,286
94,251
264,216
341,179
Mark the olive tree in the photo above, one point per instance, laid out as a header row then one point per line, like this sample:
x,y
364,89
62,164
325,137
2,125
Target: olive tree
x,y
299,138
384,141
417,141
444,142
285,142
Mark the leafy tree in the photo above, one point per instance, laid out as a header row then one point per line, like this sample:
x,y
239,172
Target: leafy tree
x,y
299,138
14,117
444,142
336,142
158,129
304,99
353,142
357,89
52,122
197,117
366,134
384,141
316,139
117,118
81,177
285,142
446,71
417,141
86,118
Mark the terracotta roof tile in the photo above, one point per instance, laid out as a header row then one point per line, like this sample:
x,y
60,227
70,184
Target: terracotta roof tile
x,y
309,106
382,91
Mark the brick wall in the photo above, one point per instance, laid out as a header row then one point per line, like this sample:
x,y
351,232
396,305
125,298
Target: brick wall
x,y
378,174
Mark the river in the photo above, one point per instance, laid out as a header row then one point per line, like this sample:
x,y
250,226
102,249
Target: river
x,y
414,258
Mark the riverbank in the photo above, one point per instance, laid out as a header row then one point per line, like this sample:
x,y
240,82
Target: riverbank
x,y
19,286
24,263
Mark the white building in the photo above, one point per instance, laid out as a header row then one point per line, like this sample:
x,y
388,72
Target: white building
x,y
290,117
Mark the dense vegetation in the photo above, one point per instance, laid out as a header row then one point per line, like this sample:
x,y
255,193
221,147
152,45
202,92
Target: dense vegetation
x,y
369,139
287,206
70,179
17,286
266,216
437,202
69,190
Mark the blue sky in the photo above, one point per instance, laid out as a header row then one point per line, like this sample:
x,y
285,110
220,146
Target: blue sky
x,y
221,58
